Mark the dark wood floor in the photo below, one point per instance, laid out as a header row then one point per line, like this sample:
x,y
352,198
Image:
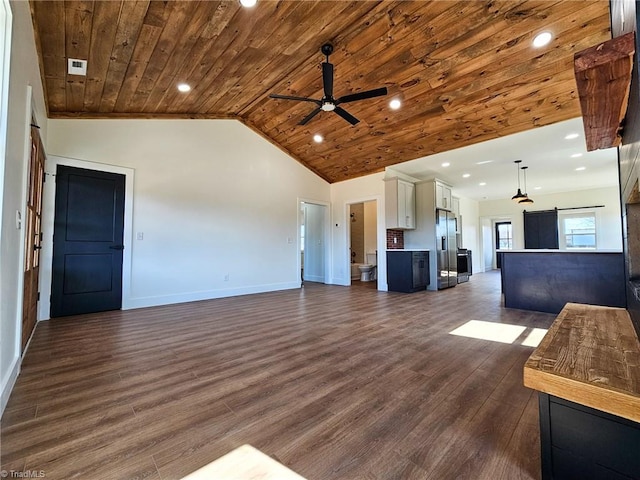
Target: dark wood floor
x,y
334,382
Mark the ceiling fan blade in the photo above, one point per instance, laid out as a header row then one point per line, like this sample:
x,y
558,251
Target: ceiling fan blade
x,y
327,79
354,97
306,119
346,115
300,99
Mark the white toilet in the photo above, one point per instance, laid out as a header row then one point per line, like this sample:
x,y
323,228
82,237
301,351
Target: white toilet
x,y
368,270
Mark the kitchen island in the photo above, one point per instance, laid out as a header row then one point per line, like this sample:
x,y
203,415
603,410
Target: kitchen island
x,y
545,280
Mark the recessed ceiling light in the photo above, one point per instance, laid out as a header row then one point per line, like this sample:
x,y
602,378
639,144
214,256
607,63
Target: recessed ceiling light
x,y
542,39
317,138
248,3
579,169
466,175
446,164
482,184
576,155
537,188
571,136
483,162
183,87
395,104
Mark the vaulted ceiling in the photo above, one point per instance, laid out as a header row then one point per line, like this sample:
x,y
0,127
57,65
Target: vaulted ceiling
x,y
465,71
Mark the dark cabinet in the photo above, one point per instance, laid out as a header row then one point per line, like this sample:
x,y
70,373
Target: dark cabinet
x,y
407,271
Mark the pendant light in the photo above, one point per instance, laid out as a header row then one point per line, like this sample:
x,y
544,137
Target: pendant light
x,y
518,196
526,198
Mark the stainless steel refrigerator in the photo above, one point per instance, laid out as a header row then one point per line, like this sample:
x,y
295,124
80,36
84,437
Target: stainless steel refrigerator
x,y
447,252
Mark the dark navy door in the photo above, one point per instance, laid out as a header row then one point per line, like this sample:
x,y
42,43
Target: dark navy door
x,y
87,242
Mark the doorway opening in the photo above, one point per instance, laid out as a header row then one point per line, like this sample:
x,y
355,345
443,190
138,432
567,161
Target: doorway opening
x,y
363,244
313,258
504,239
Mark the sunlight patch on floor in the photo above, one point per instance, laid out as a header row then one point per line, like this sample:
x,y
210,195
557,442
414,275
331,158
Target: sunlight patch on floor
x,y
535,337
499,332
244,463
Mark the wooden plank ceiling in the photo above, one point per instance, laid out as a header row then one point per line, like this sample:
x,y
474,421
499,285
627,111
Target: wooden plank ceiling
x,y
465,71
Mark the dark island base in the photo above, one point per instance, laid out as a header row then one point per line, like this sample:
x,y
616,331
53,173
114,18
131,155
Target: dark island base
x,y
546,281
581,443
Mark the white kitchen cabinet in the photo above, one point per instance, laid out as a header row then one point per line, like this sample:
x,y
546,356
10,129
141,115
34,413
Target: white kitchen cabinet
x,y
400,204
455,206
443,196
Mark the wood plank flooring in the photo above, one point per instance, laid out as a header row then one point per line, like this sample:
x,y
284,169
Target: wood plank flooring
x,y
333,382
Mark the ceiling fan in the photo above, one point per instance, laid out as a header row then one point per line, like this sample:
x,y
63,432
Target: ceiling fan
x,y
328,103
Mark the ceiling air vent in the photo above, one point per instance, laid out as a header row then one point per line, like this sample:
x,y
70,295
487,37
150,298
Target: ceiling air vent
x,y
77,67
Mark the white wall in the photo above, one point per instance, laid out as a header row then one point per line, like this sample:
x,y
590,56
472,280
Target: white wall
x,y
211,199
471,230
24,85
608,218
343,194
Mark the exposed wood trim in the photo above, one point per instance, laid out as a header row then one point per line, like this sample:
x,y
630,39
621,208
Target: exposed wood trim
x,y
603,76
143,116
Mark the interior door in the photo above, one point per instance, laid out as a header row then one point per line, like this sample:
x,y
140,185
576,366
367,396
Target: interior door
x,y
33,237
314,260
87,242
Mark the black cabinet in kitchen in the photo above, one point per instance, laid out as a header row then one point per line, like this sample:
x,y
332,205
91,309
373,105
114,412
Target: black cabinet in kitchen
x,y
407,270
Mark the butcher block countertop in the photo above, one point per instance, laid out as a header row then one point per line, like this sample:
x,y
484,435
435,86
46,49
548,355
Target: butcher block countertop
x,y
590,356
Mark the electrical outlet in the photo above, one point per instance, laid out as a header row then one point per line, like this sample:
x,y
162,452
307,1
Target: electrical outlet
x,y
140,236
395,239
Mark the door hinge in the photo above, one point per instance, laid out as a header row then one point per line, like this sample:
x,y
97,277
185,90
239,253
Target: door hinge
x,y
40,236
38,299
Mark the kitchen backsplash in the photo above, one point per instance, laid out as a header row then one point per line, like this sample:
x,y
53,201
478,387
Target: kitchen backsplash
x,y
395,239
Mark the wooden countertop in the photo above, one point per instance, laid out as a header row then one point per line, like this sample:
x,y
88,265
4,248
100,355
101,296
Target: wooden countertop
x,y
590,356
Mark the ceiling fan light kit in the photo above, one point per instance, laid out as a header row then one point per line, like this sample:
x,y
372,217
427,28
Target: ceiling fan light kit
x,y
327,103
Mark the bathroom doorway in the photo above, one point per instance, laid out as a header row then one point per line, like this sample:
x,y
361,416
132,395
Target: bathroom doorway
x,y
313,218
363,243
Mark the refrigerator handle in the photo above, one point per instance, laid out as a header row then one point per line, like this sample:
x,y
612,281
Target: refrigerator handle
x,y
444,242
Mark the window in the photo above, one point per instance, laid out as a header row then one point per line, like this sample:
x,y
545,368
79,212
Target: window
x,y
504,236
578,231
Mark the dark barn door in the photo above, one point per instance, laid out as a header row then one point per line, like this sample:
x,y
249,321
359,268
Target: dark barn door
x,y
87,242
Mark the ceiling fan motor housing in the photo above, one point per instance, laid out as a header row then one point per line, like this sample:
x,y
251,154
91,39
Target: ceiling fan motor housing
x,y
328,103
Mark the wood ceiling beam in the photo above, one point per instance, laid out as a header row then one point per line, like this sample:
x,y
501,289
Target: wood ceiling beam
x,y
603,75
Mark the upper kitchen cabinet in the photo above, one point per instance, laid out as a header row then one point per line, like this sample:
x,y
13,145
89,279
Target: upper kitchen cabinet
x,y
400,204
455,206
444,200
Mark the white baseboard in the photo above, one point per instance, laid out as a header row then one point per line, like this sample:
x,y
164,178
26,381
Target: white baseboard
x,y
154,301
8,382
314,278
